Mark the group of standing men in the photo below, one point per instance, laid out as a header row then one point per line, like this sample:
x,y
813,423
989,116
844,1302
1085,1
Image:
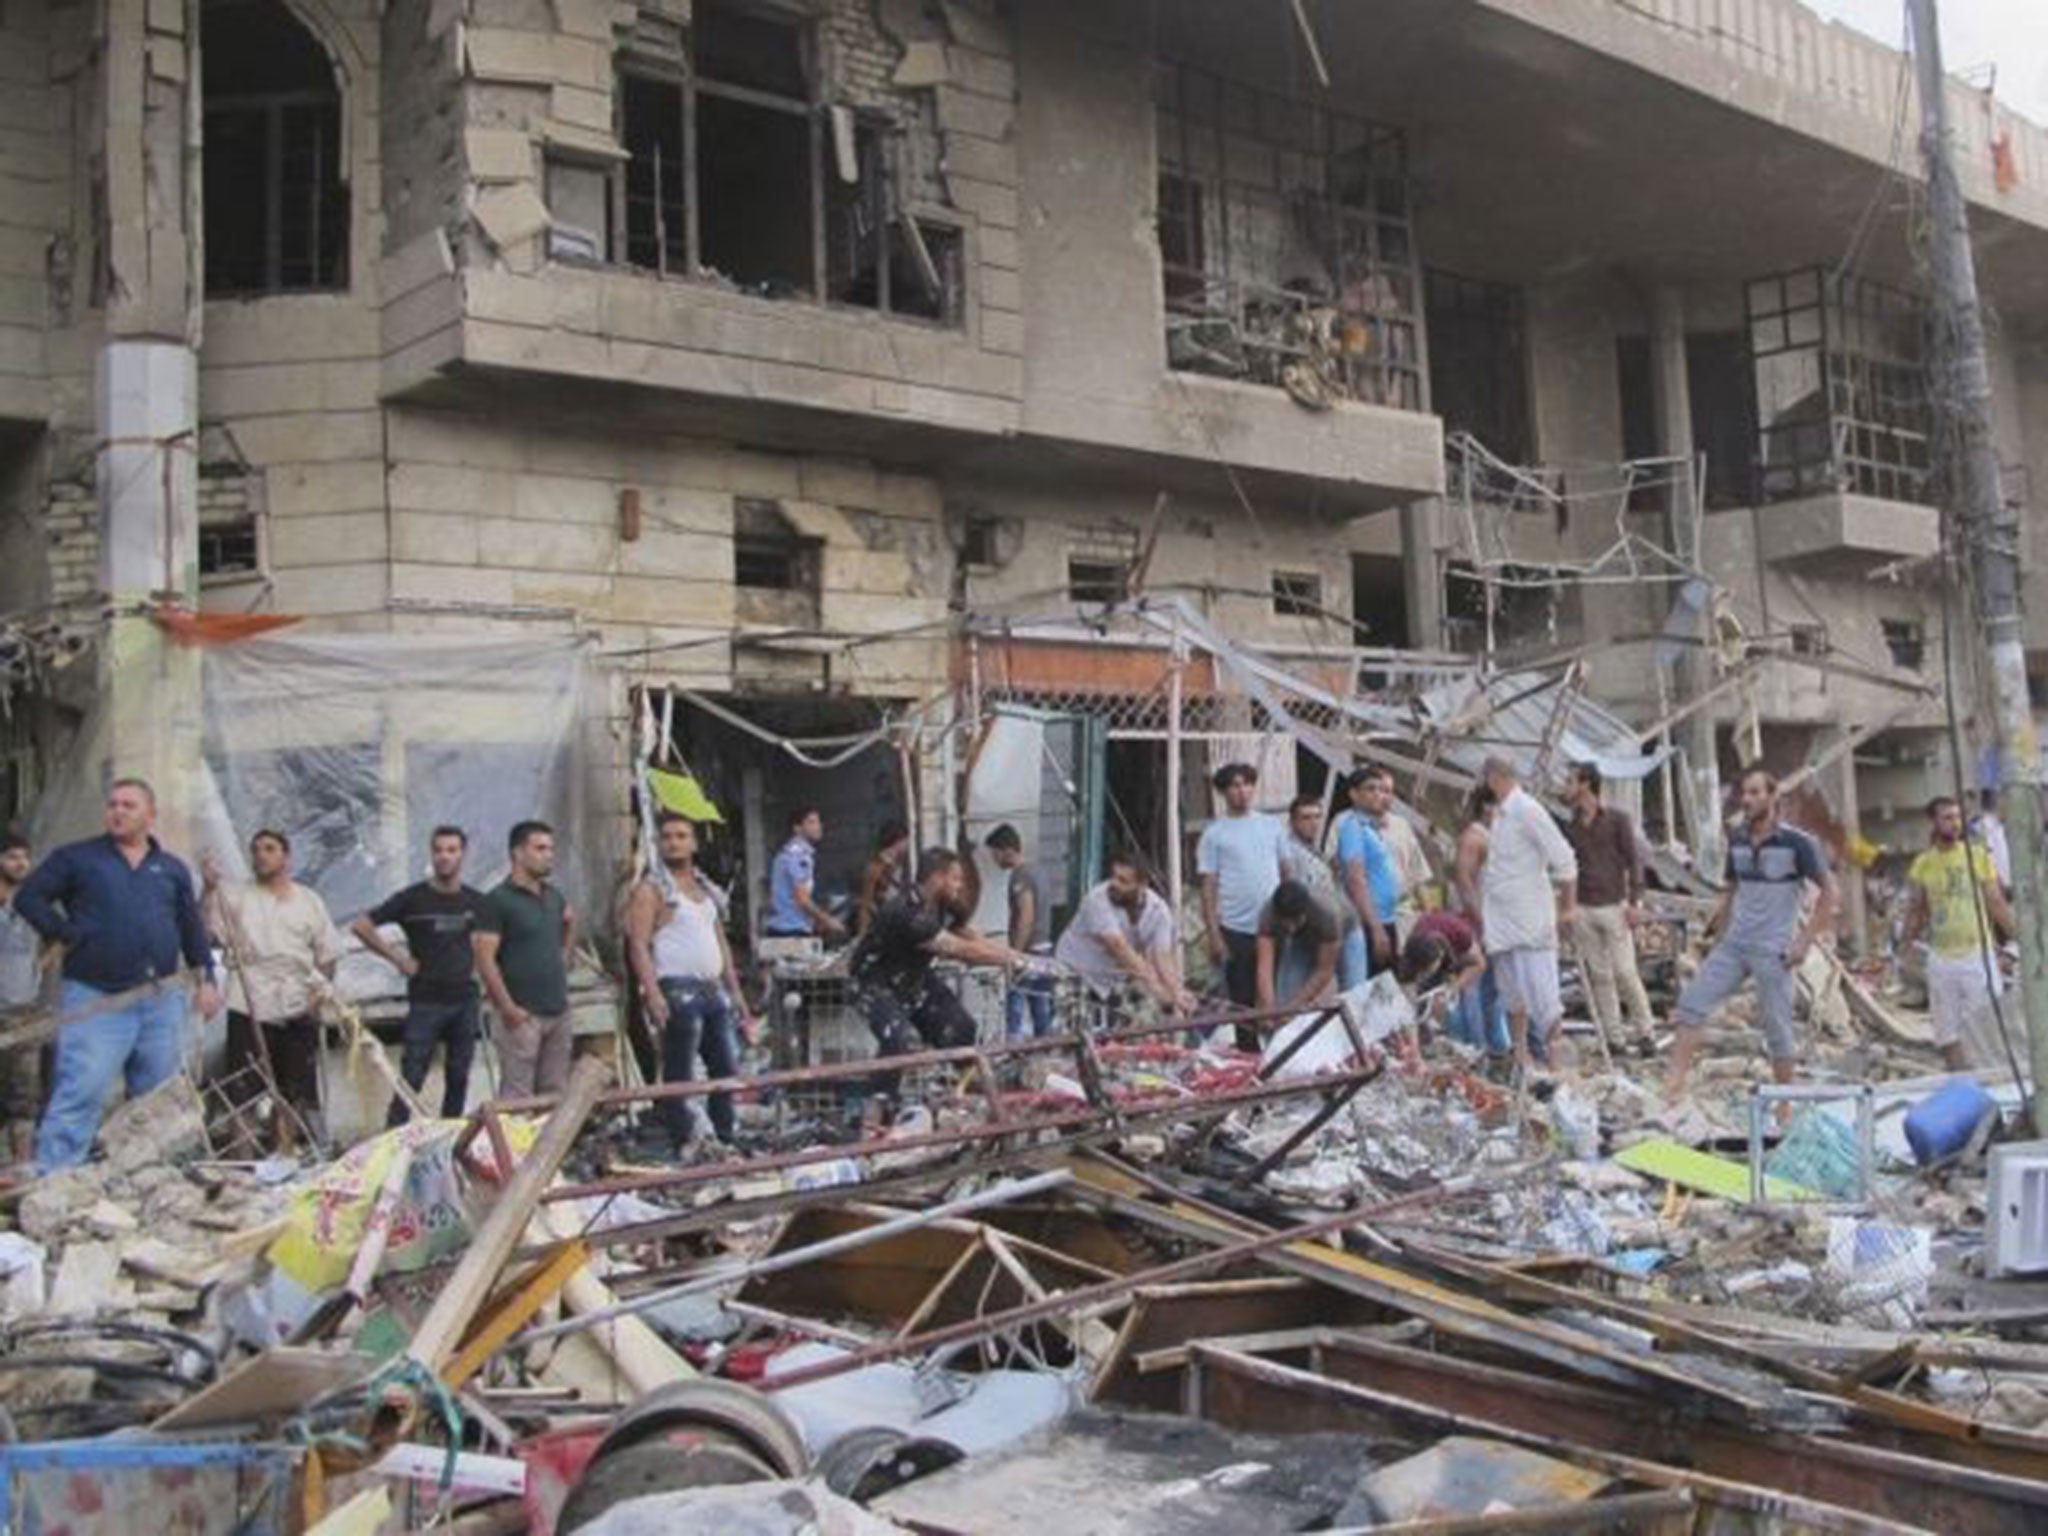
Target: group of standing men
x,y
137,939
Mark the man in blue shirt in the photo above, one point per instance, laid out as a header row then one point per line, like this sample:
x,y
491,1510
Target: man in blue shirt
x,y
793,911
1366,870
128,917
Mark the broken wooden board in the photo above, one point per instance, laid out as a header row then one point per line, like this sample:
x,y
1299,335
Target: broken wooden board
x,y
277,1383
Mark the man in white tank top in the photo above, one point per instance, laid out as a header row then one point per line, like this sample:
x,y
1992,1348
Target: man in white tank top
x,y
675,937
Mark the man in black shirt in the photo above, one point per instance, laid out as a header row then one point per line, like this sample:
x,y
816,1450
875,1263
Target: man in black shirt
x,y
438,916
894,987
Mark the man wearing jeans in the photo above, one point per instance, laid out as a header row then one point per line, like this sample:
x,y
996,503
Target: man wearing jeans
x,y
523,944
1610,886
127,915
676,942
439,917
1769,868
1030,934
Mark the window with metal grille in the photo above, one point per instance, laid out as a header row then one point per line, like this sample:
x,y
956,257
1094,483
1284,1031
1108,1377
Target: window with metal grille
x,y
277,209
1091,580
1297,594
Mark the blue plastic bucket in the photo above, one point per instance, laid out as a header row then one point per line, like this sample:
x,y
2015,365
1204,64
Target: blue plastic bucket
x,y
1942,1124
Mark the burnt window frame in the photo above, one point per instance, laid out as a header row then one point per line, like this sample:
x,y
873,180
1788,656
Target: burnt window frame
x,y
1501,311
331,204
1107,581
899,227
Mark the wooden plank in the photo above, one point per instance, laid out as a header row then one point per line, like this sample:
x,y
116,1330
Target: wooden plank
x,y
278,1382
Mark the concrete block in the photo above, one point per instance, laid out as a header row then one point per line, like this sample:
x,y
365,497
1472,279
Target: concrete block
x,y
923,64
745,473
983,73
434,538
869,571
527,544
343,539
669,552
687,512
664,600
310,327
582,107
498,154
448,584
167,59
1002,332
299,490
585,18
964,111
537,58
415,264
839,482
998,248
330,589
560,499
166,16
510,216
309,437
911,496
456,438
1001,289
991,202
441,487
984,159
506,297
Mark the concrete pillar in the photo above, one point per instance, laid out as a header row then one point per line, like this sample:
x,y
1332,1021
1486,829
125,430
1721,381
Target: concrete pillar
x,y
1421,581
1694,669
1849,811
146,398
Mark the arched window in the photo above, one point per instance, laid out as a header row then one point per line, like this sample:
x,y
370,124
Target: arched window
x,y
276,205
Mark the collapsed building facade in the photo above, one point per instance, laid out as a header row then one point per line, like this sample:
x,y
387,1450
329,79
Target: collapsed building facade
x,y
819,361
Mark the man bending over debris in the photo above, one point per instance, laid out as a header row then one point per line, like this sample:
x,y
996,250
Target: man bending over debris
x,y
127,915
894,987
1960,907
1298,938
1528,887
282,950
1122,935
1769,867
675,938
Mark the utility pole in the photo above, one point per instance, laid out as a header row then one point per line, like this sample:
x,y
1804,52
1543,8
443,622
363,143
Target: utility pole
x,y
1961,380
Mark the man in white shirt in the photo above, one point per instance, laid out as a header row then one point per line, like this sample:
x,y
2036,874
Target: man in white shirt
x,y
1528,886
1238,860
675,939
1122,934
282,950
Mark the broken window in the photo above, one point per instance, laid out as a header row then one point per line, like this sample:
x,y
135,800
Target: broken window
x,y
579,210
878,254
1478,366
735,172
1297,594
1287,245
775,567
981,544
230,523
276,217
1724,430
1840,397
1906,639
1809,639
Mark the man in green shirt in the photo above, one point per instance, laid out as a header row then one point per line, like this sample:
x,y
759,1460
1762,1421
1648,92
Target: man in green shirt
x,y
525,936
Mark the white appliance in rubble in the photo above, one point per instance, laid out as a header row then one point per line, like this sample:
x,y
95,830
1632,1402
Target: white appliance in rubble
x,y
2016,1236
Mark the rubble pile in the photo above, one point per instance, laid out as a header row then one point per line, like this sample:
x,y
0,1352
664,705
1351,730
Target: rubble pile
x,y
1142,1281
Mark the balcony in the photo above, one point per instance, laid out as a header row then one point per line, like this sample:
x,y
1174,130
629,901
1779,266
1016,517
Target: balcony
x,y
1843,530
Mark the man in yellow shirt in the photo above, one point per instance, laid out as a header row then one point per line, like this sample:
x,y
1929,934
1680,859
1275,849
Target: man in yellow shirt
x,y
1958,905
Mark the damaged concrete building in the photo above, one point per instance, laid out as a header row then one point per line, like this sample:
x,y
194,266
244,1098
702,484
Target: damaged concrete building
x,y
769,342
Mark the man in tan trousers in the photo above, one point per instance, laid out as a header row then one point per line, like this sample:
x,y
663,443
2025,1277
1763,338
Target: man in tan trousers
x,y
1610,886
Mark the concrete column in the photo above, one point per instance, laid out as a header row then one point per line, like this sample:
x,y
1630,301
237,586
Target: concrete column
x,y
1694,669
1421,580
1849,810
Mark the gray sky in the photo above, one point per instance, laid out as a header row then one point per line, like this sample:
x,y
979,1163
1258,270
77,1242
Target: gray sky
x,y
2013,34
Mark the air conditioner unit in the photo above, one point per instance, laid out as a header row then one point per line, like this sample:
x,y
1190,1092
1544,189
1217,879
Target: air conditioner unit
x,y
2016,1238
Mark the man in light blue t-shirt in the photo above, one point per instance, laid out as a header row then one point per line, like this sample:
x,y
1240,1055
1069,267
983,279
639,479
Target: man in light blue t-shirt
x,y
1366,871
1238,860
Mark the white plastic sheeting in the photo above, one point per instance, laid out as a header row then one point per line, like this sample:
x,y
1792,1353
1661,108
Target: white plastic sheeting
x,y
356,746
